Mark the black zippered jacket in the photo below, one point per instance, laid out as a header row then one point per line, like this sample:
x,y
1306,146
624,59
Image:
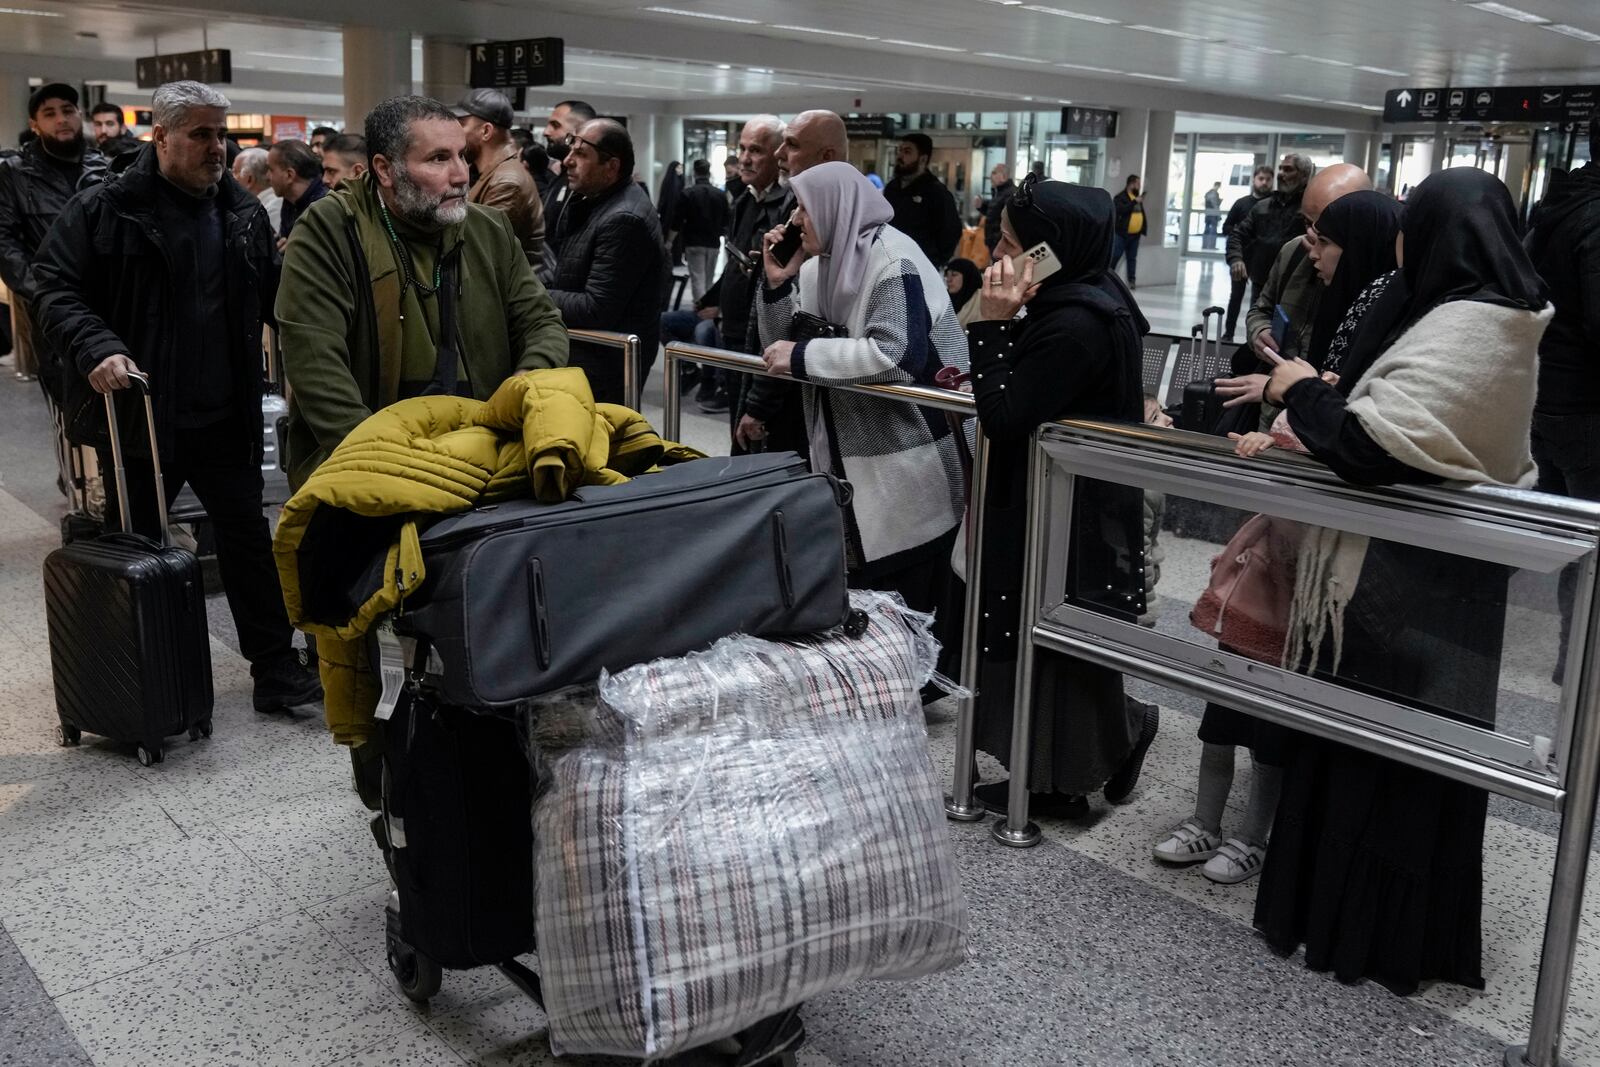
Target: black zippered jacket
x,y
103,285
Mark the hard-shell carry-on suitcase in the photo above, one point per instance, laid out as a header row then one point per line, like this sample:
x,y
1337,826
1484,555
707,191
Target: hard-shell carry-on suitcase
x,y
524,598
130,649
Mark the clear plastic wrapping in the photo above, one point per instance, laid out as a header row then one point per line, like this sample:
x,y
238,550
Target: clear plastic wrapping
x,y
739,831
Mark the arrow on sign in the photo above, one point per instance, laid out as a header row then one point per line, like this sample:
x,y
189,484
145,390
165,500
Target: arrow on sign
x,y
1404,99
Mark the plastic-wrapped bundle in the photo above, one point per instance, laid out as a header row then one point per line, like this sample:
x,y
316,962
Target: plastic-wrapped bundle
x,y
741,830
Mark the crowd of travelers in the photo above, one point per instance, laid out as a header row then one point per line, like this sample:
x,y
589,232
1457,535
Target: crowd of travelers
x,y
440,251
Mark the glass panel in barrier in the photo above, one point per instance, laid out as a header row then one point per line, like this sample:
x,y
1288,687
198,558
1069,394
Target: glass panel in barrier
x,y
1465,638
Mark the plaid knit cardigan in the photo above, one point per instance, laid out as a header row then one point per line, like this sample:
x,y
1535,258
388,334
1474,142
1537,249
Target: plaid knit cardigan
x,y
901,461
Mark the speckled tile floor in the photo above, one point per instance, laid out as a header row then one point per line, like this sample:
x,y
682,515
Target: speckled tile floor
x,y
225,906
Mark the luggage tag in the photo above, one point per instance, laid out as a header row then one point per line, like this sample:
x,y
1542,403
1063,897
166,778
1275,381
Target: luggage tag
x,y
391,670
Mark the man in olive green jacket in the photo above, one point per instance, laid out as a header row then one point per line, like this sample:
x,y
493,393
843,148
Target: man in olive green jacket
x,y
394,286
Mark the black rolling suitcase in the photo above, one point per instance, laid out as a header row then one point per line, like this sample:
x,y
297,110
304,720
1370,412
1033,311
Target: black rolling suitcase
x,y
524,598
456,798
130,649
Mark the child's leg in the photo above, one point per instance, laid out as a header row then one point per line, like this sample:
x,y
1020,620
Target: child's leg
x,y
1216,781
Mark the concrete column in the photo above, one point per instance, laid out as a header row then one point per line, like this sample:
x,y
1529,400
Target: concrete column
x,y
444,70
1362,150
642,128
14,95
1158,265
1519,174
1125,153
1014,165
377,65
669,147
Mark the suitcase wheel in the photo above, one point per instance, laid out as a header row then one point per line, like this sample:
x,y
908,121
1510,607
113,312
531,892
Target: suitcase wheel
x,y
150,754
199,730
67,734
419,976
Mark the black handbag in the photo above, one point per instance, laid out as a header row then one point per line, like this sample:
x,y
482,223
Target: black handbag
x,y
808,327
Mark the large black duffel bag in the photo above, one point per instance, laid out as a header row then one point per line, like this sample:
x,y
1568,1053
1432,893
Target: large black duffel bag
x,y
524,598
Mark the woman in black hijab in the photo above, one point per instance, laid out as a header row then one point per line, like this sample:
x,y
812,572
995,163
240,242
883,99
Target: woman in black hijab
x,y
1376,867
1352,247
964,280
1076,353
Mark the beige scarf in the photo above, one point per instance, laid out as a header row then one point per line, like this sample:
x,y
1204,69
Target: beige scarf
x,y
1452,397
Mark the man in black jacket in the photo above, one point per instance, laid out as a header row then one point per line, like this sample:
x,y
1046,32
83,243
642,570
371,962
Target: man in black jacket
x,y
1565,248
1002,190
924,210
295,172
1254,242
34,187
565,118
169,270
1260,189
702,220
1131,225
610,260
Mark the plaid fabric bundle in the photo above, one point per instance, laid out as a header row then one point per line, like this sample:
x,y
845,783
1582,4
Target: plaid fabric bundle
x,y
745,829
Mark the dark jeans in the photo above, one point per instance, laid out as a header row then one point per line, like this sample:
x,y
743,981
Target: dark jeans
x,y
1235,301
1567,451
1126,243
216,462
688,326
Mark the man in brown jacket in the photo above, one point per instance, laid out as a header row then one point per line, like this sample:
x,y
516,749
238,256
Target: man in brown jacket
x,y
503,182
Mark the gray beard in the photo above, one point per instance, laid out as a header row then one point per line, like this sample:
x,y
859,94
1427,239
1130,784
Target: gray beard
x,y
420,209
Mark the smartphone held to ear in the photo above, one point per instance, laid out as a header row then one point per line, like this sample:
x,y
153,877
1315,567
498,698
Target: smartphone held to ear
x,y
1044,262
787,245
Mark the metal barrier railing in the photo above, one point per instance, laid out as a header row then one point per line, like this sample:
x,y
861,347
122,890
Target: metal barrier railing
x,y
959,804
1489,525
632,360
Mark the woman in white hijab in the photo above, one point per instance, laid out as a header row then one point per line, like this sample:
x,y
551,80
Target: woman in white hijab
x,y
859,303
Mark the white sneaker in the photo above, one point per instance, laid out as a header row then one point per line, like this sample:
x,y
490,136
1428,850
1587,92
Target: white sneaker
x,y
8,360
1235,862
1189,843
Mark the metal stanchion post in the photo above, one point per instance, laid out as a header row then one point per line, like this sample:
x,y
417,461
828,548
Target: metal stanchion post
x,y
632,372
1565,916
672,411
959,805
1015,830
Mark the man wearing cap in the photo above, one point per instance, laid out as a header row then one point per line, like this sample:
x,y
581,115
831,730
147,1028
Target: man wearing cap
x,y
503,182
33,189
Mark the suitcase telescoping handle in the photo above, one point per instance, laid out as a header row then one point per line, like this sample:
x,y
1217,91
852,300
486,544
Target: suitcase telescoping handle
x,y
141,382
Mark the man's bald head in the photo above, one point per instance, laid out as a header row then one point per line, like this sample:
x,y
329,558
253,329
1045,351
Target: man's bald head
x,y
1330,184
813,137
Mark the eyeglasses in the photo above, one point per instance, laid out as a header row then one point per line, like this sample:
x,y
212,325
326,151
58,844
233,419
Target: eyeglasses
x,y
573,141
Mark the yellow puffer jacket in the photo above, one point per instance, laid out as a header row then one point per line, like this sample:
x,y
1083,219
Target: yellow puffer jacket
x,y
541,434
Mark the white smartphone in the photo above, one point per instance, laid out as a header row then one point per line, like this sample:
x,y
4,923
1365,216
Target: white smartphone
x,y
1045,262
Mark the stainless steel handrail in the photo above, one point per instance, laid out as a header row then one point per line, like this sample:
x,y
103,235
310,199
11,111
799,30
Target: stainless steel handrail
x,y
959,805
632,362
1487,520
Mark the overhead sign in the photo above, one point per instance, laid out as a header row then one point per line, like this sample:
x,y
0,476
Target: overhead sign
x,y
509,64
287,127
1088,122
1506,103
212,65
865,126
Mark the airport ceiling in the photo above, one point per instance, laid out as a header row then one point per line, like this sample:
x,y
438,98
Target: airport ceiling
x,y
1302,60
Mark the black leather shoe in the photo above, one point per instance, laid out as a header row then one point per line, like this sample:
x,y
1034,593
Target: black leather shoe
x,y
996,796
285,685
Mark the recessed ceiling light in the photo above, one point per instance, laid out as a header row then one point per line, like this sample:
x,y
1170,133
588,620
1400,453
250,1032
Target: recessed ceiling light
x,y
1262,49
290,55
1384,70
1092,70
703,15
919,44
1004,3
1302,99
1324,61
1014,59
1573,31
1516,14
1352,103
1184,34
825,33
1154,77
1062,13
724,66
29,11
758,70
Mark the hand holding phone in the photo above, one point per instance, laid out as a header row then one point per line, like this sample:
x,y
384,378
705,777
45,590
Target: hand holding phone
x,y
1044,262
788,244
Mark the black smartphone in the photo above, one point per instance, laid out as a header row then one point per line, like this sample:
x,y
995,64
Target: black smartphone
x,y
787,245
744,261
